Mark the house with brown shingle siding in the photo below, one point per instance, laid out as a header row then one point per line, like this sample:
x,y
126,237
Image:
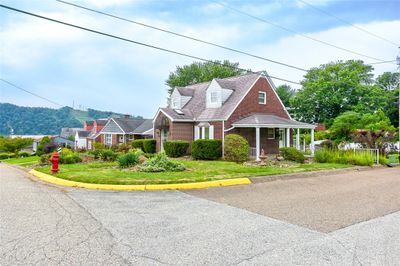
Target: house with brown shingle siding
x,y
247,105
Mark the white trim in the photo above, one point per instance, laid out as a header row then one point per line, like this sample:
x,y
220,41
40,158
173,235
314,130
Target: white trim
x,y
271,125
287,137
112,133
101,131
265,97
257,144
211,132
158,112
273,130
196,132
244,96
276,94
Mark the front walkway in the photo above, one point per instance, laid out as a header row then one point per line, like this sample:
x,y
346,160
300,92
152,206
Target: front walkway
x,y
47,225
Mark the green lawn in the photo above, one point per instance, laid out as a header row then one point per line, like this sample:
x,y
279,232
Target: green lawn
x,y
197,171
26,161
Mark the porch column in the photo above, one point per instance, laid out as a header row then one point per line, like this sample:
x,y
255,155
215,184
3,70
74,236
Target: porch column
x,y
312,142
298,139
257,143
288,137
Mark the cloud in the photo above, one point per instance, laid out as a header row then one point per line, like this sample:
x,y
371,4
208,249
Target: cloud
x,y
104,73
302,4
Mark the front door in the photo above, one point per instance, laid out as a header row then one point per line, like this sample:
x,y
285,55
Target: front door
x,y
282,138
164,137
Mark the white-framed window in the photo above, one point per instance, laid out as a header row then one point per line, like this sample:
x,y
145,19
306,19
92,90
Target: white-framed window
x,y
204,132
120,138
262,97
108,139
213,97
270,133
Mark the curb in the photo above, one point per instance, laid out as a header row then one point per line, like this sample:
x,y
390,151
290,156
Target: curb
x,y
270,178
67,183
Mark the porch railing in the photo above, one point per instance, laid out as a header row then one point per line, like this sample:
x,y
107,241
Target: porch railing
x,y
252,152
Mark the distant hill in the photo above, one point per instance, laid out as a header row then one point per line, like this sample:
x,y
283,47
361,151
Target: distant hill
x,y
43,121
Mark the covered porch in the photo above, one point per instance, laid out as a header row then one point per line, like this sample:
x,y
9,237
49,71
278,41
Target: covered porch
x,y
270,132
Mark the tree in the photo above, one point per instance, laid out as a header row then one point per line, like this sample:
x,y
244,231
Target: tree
x,y
388,80
201,72
349,122
330,90
285,92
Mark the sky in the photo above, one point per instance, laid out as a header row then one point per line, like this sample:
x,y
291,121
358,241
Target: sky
x,y
85,70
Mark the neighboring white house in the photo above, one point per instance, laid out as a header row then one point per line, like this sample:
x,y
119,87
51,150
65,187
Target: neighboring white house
x,y
81,139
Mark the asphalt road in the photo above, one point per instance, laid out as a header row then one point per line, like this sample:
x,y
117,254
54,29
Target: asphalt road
x,y
46,225
324,203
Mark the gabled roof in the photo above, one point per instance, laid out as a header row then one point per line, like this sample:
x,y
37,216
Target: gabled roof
x,y
269,120
83,134
67,131
145,126
186,91
89,122
128,125
196,109
101,122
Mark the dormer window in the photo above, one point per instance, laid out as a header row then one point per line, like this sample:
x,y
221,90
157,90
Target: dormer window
x,y
213,97
175,102
262,97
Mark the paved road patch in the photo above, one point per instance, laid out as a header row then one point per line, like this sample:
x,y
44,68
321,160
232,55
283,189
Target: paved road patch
x,y
324,203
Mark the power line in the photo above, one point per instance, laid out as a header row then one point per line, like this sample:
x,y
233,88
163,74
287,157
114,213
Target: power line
x,y
34,94
383,62
182,35
295,32
139,43
348,23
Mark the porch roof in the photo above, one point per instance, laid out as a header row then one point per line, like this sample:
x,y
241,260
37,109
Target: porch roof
x,y
270,121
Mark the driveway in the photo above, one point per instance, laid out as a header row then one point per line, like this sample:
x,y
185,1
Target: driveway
x,y
46,225
324,203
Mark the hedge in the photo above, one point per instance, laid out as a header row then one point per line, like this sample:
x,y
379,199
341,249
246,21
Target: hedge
x,y
176,148
207,149
138,144
149,145
292,154
236,148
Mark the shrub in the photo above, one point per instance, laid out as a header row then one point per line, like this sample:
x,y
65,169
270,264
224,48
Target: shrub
x,y
96,153
98,146
70,159
123,147
322,156
161,163
66,151
138,144
130,158
23,154
45,158
176,148
393,158
149,146
328,144
6,156
236,148
344,157
292,154
108,155
206,149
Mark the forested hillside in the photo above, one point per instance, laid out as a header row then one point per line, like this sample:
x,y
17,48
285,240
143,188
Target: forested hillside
x,y
38,120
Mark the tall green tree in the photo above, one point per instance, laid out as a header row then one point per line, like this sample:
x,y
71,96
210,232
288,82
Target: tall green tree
x,y
285,92
331,89
201,72
388,80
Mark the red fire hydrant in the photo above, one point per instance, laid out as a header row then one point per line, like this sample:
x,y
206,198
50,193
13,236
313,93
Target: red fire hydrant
x,y
54,162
